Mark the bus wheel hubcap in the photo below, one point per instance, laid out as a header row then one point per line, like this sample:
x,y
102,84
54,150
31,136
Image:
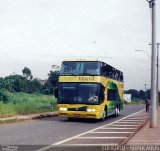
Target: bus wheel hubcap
x,y
117,111
104,114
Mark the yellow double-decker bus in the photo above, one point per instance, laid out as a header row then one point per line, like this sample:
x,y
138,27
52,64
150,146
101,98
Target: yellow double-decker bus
x,y
89,89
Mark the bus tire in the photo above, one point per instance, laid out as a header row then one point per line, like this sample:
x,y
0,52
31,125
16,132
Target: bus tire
x,y
104,116
70,118
117,111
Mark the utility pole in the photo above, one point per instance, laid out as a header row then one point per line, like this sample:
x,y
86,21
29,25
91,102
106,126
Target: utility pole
x,y
153,114
158,74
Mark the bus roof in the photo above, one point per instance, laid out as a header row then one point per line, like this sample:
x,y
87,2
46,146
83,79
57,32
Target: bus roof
x,y
81,60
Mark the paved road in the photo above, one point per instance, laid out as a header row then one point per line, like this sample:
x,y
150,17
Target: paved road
x,y
51,130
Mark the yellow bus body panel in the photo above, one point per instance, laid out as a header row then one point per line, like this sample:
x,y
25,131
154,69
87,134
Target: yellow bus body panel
x,y
73,109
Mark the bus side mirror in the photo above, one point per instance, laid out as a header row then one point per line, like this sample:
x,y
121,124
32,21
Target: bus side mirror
x,y
56,93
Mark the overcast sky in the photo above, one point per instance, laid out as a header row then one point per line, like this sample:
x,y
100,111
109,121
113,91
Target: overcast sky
x,y
40,33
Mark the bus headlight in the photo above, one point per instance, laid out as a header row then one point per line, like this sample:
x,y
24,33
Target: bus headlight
x,y
62,109
91,110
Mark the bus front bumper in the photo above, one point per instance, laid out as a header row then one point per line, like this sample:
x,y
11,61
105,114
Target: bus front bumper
x,y
79,114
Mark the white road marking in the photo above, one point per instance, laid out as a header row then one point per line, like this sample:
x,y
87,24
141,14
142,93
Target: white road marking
x,y
133,120
138,118
111,132
95,129
130,122
100,137
126,120
125,125
118,128
68,139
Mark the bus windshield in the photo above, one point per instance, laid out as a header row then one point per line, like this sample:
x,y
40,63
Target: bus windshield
x,y
80,68
79,93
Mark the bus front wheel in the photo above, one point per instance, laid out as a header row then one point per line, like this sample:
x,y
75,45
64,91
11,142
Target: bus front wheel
x,y
70,118
104,115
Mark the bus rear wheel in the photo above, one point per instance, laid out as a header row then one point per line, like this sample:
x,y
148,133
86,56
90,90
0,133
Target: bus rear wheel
x,y
117,111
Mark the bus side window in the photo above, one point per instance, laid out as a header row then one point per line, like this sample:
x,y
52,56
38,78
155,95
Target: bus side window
x,y
111,95
104,70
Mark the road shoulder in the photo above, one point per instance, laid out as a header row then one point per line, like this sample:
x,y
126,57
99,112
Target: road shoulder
x,y
27,117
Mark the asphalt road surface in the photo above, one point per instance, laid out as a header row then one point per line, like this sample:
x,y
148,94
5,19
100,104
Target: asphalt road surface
x,y
51,130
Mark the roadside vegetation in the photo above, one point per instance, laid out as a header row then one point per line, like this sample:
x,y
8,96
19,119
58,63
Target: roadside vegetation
x,y
134,102
23,94
138,97
23,104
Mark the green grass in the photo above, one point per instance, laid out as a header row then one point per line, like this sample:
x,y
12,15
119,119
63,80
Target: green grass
x,y
6,110
134,103
23,104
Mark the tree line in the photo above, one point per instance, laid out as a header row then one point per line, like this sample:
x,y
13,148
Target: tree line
x,y
28,84
138,95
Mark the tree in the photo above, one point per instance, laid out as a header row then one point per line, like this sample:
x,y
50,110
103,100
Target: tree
x,y
1,83
138,95
27,73
134,93
53,78
4,96
16,83
51,82
35,85
47,88
141,94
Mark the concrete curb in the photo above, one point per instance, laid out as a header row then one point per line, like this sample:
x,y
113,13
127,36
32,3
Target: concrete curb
x,y
134,133
27,117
